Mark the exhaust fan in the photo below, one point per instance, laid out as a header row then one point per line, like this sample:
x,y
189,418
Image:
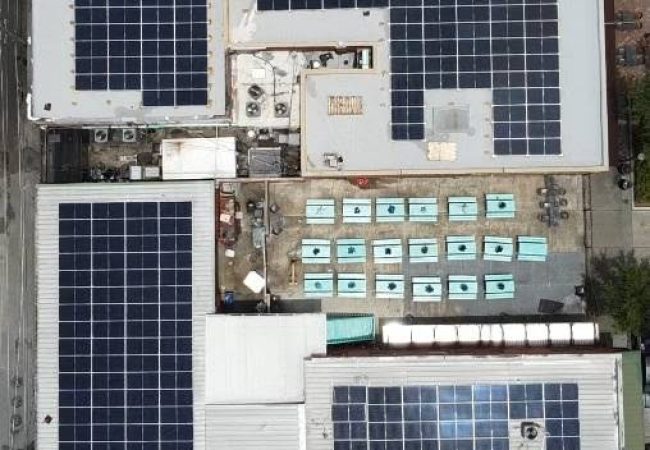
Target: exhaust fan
x,y
281,109
101,135
129,135
253,109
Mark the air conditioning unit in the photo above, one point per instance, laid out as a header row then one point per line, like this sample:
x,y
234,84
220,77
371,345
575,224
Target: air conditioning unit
x,y
281,109
333,160
253,109
101,135
129,135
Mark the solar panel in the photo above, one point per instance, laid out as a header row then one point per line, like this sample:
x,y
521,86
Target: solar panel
x,y
289,5
156,46
125,325
472,417
510,47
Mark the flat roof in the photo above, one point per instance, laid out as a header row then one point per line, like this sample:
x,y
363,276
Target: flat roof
x,y
364,141
54,98
255,359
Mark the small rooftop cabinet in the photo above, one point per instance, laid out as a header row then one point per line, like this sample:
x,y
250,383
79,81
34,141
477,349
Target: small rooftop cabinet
x,y
462,209
389,286
319,285
499,287
423,209
316,251
462,287
497,248
320,211
532,248
351,285
500,206
350,251
423,250
461,248
390,209
357,210
427,289
387,251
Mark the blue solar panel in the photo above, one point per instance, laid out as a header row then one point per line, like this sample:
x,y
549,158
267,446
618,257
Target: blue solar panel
x,y
125,325
156,46
472,417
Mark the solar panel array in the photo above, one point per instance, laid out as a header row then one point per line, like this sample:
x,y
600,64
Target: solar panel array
x,y
509,46
157,46
453,417
284,5
125,326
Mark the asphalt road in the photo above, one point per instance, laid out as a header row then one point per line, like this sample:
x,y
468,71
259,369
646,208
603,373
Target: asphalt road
x,y
20,169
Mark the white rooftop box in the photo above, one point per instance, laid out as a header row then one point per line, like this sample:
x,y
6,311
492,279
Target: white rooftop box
x,y
198,158
255,359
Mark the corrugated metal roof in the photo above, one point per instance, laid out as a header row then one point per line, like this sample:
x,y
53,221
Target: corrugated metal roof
x,y
202,194
597,376
259,359
255,427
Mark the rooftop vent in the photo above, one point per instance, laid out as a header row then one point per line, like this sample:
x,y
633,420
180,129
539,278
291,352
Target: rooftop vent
x,y
453,119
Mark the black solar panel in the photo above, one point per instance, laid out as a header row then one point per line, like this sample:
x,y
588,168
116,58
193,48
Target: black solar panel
x,y
156,46
452,417
510,46
125,326
285,5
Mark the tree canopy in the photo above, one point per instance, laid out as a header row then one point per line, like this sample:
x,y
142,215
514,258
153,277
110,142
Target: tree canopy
x,y
619,286
639,98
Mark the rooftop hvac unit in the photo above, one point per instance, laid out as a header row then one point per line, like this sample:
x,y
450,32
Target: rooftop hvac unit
x,y
129,135
265,162
255,92
253,109
281,109
101,135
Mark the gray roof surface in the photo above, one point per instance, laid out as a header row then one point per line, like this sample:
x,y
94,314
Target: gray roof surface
x,y
53,63
364,141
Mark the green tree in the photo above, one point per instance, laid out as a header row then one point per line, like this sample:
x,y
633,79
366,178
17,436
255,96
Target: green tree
x,y
619,286
639,98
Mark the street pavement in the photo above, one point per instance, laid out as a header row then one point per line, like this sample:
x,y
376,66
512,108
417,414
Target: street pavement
x,y
19,173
